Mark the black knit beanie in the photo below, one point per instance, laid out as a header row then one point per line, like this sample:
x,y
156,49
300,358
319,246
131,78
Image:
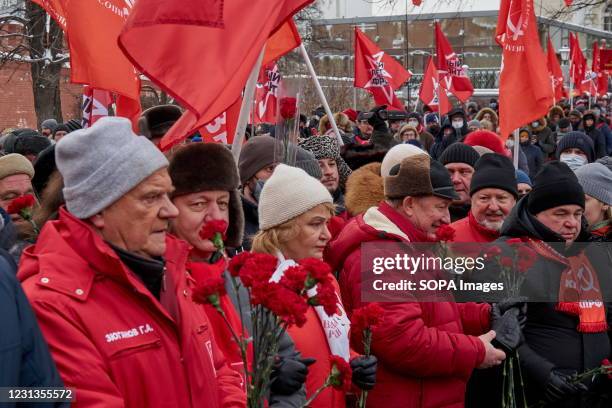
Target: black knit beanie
x,y
493,170
459,153
578,140
554,185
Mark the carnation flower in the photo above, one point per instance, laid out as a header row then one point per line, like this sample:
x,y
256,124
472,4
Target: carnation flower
x,y
445,233
318,271
237,262
367,317
209,290
22,206
288,107
341,375
257,268
295,278
325,297
213,227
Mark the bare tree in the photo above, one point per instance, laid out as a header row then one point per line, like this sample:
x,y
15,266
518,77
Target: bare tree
x,y
29,36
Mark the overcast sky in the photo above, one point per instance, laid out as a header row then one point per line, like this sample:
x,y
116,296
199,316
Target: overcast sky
x,y
433,6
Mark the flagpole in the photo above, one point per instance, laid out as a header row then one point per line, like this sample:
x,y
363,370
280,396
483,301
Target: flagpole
x,y
245,107
328,111
517,144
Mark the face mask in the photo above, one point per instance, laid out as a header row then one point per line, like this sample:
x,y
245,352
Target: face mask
x,y
493,105
535,124
457,124
258,187
413,123
509,143
597,112
573,161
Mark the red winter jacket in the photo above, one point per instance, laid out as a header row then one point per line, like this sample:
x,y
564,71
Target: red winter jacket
x,y
115,343
469,230
426,351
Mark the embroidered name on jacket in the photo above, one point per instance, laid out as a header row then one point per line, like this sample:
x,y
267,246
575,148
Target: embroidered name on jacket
x,y
128,334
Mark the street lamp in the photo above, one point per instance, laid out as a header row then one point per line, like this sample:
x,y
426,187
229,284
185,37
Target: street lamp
x,y
564,51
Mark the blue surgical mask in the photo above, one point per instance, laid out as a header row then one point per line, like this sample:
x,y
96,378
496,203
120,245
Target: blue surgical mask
x,y
258,187
573,161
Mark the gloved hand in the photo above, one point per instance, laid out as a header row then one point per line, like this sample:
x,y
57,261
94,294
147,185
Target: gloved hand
x,y
559,387
515,305
507,329
289,374
364,371
376,121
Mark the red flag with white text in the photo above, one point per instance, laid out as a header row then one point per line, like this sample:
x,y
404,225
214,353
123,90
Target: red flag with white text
x,y
96,103
555,73
267,93
204,50
431,93
525,93
602,78
377,72
452,75
578,66
222,128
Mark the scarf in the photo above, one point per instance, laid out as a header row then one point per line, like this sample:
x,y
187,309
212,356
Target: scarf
x,y
579,291
601,229
336,327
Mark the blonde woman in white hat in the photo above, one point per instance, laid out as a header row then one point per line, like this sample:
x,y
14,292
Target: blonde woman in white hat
x,y
294,209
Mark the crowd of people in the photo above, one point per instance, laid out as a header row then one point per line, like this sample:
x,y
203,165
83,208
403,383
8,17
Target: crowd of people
x,y
98,269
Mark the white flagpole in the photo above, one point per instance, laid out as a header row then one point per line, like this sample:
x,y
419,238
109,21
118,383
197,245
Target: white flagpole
x,y
517,144
328,111
245,107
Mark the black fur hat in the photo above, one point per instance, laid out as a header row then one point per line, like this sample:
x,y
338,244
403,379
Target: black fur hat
x,y
156,121
207,167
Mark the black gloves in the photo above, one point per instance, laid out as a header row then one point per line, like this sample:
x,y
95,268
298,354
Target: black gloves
x,y
364,372
289,375
559,387
508,317
376,121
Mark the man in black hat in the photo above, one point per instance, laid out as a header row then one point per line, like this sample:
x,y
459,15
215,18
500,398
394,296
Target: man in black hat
x,y
156,121
460,159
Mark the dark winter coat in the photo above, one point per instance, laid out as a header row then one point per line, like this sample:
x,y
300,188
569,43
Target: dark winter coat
x,y
544,136
251,223
441,142
599,141
551,337
356,155
535,157
24,355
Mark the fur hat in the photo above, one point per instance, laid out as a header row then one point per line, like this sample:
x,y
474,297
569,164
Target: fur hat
x,y
326,147
156,121
206,167
342,121
364,189
419,175
44,166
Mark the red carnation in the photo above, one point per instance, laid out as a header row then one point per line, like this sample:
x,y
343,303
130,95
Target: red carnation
x,y
445,233
341,375
507,262
607,365
367,317
287,305
22,206
213,227
237,262
326,297
295,278
209,290
493,251
527,257
257,268
318,271
288,107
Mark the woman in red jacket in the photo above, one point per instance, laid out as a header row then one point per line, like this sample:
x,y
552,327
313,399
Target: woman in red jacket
x,y
294,209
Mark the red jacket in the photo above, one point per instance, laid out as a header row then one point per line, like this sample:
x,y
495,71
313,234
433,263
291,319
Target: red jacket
x,y
426,351
469,230
115,343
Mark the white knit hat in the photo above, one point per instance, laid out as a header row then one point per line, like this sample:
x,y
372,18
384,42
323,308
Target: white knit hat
x,y
396,154
288,193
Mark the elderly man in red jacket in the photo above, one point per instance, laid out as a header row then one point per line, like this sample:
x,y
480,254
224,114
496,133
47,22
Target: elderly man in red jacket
x,y
109,287
493,193
426,350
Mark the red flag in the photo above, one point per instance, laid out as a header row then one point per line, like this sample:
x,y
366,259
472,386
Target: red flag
x,y
452,74
578,65
95,58
55,8
555,73
601,83
285,39
266,94
95,105
223,128
377,72
431,93
525,93
568,2
204,50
